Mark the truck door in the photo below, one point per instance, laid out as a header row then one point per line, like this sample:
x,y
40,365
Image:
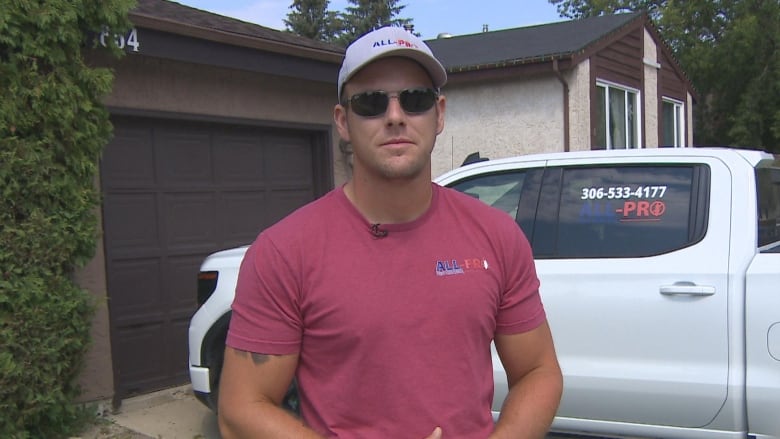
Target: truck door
x,y
762,309
633,262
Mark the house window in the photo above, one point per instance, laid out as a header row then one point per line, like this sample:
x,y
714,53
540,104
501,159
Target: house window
x,y
673,127
617,117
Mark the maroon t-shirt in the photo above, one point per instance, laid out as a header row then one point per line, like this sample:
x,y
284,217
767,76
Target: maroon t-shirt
x,y
393,332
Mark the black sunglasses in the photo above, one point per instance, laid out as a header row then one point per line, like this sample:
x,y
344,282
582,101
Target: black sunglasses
x,y
374,103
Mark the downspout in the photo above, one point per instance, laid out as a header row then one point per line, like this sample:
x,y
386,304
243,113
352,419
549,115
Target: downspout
x,y
566,129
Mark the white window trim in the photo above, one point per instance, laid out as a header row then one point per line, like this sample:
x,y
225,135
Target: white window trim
x,y
679,134
637,123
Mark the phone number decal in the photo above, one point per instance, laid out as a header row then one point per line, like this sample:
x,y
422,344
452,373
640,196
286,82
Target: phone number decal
x,y
622,192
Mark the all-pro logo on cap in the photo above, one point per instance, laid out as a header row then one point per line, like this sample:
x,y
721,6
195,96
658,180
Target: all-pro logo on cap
x,y
383,44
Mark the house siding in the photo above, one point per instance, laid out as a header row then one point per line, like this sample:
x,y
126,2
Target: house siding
x,y
504,119
96,378
672,85
621,62
689,118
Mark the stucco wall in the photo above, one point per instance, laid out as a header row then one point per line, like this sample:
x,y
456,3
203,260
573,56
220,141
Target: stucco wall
x,y
689,119
500,119
650,92
97,380
579,107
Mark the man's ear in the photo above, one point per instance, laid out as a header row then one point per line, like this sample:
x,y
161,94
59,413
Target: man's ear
x,y
441,106
340,119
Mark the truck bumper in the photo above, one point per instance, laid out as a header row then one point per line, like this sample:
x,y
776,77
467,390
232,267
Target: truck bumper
x,y
199,376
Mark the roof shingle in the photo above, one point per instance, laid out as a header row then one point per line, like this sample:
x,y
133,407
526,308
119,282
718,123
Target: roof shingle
x,y
524,44
178,13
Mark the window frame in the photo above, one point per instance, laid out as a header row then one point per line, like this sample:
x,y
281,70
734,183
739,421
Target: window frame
x,y
494,177
678,121
526,213
605,111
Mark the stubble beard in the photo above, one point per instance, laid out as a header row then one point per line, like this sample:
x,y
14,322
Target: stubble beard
x,y
397,167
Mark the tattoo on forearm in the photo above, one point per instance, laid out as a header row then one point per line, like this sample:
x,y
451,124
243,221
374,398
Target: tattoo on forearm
x,y
256,358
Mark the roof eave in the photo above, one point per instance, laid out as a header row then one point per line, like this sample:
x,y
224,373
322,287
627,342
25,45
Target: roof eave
x,y
510,63
231,38
527,67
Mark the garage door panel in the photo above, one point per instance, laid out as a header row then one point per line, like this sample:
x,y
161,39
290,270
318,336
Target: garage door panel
x,y
136,288
289,160
180,283
238,161
177,352
183,159
130,160
135,219
136,354
240,216
189,221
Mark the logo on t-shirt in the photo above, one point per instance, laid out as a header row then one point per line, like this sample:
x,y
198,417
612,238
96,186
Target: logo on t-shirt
x,y
450,267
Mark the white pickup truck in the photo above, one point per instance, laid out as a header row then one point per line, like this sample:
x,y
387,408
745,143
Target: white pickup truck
x,y
660,274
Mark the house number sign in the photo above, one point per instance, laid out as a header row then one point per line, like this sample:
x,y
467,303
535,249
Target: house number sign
x,y
128,41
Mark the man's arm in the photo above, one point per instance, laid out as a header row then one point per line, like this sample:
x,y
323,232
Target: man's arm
x,y
251,390
535,384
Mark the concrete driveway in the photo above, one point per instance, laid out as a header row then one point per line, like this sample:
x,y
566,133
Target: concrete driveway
x,y
168,414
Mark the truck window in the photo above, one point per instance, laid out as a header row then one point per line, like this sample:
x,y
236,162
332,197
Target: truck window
x,y
500,190
629,211
768,193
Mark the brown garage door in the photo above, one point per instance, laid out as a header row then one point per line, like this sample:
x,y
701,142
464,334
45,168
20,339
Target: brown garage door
x,y
174,192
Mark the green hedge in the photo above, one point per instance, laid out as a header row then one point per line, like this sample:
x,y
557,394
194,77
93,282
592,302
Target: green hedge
x,y
52,130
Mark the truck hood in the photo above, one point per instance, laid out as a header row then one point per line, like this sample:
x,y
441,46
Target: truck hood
x,y
225,259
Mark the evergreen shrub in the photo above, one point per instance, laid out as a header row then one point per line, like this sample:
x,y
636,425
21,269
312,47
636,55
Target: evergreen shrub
x,y
52,130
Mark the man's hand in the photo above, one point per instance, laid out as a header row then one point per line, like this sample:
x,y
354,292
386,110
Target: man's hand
x,y
436,434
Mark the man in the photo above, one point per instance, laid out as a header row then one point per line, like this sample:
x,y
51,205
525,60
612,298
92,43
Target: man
x,y
383,296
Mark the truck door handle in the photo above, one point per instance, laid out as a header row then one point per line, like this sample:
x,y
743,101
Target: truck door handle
x,y
687,289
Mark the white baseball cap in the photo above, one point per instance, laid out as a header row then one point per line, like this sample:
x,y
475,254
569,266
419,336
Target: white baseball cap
x,y
385,42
